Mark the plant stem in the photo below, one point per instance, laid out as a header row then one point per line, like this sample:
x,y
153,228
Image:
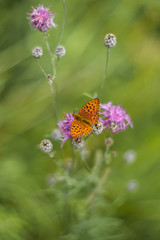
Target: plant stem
x,y
49,51
105,73
86,166
63,24
52,80
100,184
45,74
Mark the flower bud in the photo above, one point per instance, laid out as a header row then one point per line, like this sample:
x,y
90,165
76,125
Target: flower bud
x,y
97,128
60,51
56,134
78,143
37,52
110,40
46,146
109,142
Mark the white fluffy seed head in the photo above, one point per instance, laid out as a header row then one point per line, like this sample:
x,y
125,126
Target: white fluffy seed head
x,y
110,40
60,51
37,52
46,146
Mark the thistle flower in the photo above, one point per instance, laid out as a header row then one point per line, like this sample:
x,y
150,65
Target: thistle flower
x,y
97,128
110,40
41,18
65,127
114,117
37,52
78,143
46,146
60,51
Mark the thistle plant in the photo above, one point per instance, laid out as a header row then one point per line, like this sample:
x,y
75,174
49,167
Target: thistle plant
x,y
94,118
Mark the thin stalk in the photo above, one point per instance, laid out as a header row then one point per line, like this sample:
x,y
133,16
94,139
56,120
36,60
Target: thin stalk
x,y
86,166
100,184
45,74
63,24
73,157
52,80
105,73
49,51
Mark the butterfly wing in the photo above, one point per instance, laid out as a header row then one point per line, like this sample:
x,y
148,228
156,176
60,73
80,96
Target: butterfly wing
x,y
78,129
90,111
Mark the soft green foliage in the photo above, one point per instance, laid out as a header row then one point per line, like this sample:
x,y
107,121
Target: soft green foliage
x,y
38,202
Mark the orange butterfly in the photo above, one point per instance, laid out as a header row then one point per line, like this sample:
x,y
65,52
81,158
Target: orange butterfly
x,y
85,118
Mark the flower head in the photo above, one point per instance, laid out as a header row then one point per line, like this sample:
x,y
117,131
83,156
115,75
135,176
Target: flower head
x,y
56,134
78,143
114,117
60,51
41,18
97,128
110,40
46,146
65,127
37,52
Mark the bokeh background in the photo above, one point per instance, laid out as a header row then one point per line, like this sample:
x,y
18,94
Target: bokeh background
x,y
31,206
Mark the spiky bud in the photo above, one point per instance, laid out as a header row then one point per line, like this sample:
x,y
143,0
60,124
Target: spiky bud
x,y
78,143
46,146
97,128
37,52
60,51
110,40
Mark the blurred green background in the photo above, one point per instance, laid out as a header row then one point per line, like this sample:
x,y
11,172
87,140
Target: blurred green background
x,y
31,207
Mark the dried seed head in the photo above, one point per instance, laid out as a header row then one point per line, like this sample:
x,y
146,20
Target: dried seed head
x,y
60,51
110,40
46,146
109,142
78,143
37,52
97,128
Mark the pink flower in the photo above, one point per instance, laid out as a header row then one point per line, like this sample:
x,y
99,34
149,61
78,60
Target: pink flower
x,y
41,18
65,127
114,117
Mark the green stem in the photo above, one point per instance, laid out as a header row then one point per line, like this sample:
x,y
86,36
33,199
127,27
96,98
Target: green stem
x,y
63,24
86,166
52,80
105,73
49,51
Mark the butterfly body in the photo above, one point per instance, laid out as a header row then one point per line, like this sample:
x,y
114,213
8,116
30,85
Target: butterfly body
x,y
85,118
81,119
